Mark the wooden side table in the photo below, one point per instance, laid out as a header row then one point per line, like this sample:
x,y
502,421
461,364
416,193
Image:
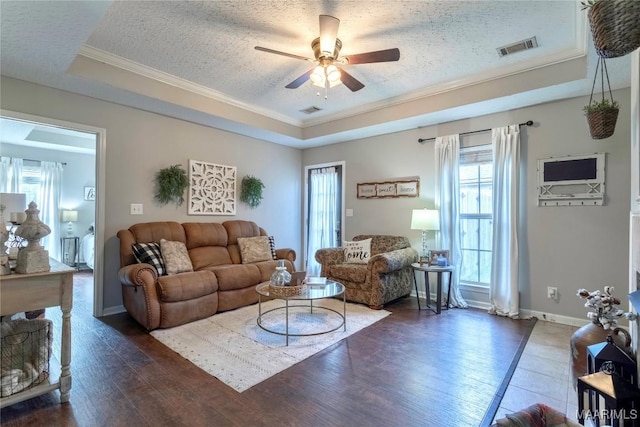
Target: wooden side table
x,y
74,242
433,269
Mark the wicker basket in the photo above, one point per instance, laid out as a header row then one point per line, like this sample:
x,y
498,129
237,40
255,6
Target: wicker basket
x,y
615,27
286,291
602,123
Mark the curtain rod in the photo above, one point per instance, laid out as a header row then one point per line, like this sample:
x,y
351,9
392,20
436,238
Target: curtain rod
x,y
527,123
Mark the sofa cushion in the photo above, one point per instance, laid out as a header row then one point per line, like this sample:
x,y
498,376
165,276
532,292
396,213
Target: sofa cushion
x,y
149,253
176,258
236,276
209,256
356,273
357,252
254,249
201,234
186,286
239,228
155,231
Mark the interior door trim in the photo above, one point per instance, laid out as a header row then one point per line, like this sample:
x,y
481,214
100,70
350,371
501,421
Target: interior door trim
x,y
305,221
101,142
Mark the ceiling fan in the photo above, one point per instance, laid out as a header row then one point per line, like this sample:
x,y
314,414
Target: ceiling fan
x,y
326,50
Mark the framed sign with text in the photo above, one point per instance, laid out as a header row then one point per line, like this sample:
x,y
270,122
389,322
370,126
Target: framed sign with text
x,y
385,189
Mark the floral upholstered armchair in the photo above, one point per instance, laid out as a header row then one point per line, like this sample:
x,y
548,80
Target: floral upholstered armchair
x,y
385,277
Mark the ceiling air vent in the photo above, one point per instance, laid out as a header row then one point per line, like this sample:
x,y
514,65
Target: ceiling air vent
x,y
311,110
517,47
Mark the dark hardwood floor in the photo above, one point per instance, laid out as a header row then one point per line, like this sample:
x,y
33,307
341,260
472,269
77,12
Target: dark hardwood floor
x,y
413,368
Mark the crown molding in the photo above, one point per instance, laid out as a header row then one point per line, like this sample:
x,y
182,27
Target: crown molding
x,y
166,78
478,79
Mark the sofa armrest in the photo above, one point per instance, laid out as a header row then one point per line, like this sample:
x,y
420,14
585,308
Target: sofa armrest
x,y
138,275
329,256
286,253
139,294
392,261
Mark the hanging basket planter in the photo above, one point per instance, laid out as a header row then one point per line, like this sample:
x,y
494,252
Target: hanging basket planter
x,y
601,115
614,26
602,123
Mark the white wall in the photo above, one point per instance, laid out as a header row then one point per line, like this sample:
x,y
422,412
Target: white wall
x,y
138,144
566,247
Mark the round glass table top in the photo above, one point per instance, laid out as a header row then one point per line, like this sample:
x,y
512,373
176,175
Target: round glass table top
x,y
309,292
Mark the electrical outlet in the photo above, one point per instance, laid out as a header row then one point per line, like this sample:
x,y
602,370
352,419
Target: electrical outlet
x,y
552,292
136,208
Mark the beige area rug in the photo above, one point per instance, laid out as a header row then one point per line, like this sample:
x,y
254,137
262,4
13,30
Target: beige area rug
x,y
233,348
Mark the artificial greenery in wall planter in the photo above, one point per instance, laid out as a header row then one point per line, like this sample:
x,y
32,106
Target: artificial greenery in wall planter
x,y
171,183
251,191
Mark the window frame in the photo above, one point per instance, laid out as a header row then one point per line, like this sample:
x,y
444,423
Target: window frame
x,y
476,155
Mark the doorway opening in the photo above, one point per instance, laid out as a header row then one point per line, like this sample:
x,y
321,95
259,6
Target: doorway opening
x,y
323,211
76,145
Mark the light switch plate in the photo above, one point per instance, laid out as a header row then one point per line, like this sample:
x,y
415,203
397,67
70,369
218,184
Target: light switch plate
x,y
349,212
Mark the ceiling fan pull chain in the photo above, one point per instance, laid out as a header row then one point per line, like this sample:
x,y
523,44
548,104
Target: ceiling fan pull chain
x,y
326,85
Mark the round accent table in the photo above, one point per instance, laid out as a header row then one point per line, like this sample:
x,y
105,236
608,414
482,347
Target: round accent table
x,y
330,289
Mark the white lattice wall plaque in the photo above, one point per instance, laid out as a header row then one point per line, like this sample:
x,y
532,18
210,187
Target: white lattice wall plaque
x,y
212,189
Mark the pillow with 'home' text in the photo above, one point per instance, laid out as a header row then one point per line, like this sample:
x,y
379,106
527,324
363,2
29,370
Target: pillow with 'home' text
x,y
357,252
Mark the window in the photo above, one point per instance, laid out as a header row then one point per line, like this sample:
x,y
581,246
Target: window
x,y
476,218
30,181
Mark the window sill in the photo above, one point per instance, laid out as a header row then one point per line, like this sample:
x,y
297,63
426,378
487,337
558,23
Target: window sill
x,y
474,288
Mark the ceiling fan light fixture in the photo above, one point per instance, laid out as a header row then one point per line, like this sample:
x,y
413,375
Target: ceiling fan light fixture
x,y
333,74
317,77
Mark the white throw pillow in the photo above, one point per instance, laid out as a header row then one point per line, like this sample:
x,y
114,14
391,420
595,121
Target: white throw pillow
x,y
254,249
176,257
357,252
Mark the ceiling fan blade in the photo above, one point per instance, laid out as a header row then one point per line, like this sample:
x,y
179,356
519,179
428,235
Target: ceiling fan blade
x,y
349,81
300,80
328,34
386,55
277,52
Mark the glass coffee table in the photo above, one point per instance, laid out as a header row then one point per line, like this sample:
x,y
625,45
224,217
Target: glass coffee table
x,y
309,293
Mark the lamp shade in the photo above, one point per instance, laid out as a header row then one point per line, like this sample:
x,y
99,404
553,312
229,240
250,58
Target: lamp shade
x,y
425,219
69,216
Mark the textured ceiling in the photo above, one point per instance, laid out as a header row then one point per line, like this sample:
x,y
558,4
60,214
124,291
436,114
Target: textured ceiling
x,y
196,60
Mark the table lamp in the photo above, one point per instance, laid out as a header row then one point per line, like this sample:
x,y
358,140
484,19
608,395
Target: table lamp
x,y
425,220
69,217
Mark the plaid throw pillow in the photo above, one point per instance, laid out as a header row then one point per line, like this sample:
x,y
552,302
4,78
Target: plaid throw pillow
x,y
149,253
272,245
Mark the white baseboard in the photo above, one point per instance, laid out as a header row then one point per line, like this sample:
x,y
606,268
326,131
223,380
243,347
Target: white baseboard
x,y
555,318
113,310
542,316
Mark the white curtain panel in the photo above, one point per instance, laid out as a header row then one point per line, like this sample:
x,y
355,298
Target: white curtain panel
x,y
49,205
323,215
10,172
503,292
447,202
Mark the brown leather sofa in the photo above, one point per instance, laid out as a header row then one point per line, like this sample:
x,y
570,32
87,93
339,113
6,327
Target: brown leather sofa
x,y
219,282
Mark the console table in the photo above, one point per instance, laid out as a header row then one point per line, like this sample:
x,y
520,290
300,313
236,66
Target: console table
x,y
28,292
